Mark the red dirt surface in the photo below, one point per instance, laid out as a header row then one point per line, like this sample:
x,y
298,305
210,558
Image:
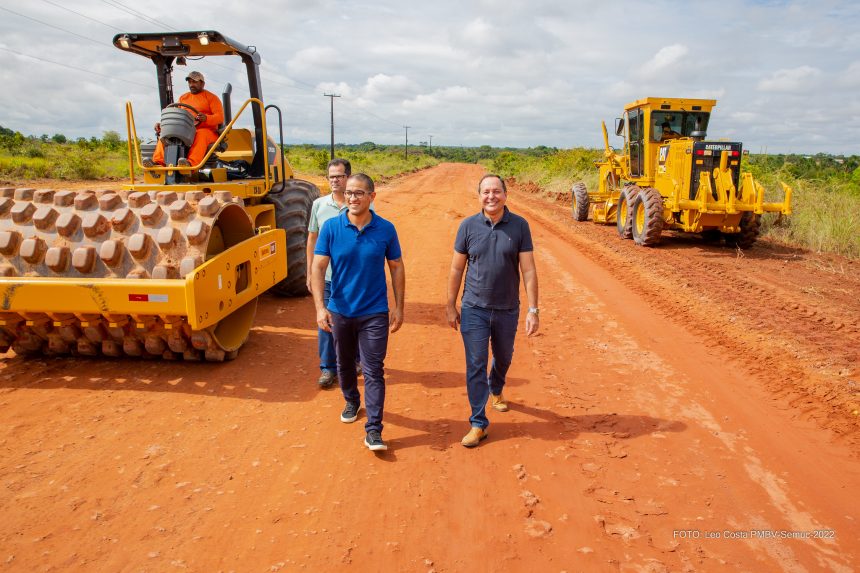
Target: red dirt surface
x,y
685,408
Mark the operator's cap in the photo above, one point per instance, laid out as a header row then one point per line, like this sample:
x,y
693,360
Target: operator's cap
x,y
196,76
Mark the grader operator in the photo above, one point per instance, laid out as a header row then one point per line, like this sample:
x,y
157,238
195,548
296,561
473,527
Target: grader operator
x,y
670,177
169,267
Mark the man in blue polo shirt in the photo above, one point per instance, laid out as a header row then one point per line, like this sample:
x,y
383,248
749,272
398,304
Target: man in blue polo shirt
x,y
497,245
357,243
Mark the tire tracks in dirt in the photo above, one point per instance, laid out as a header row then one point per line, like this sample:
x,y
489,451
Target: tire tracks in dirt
x,y
628,424
753,306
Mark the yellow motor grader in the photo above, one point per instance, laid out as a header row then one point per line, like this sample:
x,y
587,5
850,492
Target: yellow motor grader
x,y
170,267
670,177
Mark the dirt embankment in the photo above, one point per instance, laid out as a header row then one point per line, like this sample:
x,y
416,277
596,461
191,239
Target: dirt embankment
x,y
685,408
790,315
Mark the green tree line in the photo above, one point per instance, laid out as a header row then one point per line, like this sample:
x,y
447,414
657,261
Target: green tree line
x,y
826,200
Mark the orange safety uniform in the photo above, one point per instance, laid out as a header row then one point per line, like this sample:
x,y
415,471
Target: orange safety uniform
x,y
206,103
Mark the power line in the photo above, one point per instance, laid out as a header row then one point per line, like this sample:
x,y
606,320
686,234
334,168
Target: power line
x,y
52,26
114,3
104,44
310,89
136,14
370,113
74,67
118,5
83,15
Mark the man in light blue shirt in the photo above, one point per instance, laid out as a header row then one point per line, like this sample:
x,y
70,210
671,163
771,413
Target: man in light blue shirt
x,y
323,209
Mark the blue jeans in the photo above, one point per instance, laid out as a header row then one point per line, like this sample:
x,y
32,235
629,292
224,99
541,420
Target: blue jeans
x,y
369,336
481,329
325,340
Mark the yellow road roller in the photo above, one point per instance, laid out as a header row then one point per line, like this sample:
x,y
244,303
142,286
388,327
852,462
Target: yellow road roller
x,y
171,264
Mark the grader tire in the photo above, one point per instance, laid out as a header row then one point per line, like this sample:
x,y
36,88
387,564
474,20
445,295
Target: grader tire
x,y
711,236
580,201
292,202
748,234
624,217
647,217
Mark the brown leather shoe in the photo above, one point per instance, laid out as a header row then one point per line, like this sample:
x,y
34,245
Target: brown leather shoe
x,y
474,437
498,403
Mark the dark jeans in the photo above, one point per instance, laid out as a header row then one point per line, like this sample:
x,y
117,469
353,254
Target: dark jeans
x,y
481,329
369,336
325,340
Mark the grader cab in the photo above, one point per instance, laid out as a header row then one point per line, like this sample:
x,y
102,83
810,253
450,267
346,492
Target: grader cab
x,y
170,266
670,176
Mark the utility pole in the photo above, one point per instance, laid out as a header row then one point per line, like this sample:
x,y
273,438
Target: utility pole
x,y
431,142
406,149
331,97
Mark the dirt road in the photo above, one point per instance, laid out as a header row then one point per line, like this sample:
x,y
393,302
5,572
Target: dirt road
x,y
686,408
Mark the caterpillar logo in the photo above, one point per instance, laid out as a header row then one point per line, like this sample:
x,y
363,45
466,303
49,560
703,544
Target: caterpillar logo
x,y
267,251
718,147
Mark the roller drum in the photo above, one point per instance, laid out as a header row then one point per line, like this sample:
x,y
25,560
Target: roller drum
x,y
109,234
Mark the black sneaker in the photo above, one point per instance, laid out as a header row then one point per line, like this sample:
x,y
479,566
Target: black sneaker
x,y
374,442
350,413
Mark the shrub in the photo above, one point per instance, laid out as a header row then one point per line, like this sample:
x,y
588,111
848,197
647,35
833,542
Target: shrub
x,y
33,149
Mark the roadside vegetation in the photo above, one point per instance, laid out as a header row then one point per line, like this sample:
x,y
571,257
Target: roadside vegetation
x,y
379,161
826,200
56,157
825,203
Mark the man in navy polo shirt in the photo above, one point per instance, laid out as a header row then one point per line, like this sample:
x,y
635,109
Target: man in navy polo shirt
x,y
358,243
497,245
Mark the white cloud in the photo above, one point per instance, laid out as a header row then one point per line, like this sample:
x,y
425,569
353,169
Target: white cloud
x,y
446,96
481,33
315,57
501,72
794,80
414,50
743,116
664,60
850,77
342,89
383,86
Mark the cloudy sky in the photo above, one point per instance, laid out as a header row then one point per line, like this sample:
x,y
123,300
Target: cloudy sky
x,y
482,72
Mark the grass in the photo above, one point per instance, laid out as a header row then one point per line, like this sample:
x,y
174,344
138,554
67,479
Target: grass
x,y
825,218
38,160
825,202
66,162
380,164
553,171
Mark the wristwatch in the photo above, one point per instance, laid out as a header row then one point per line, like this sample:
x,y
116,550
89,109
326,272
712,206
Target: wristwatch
x,y
533,310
